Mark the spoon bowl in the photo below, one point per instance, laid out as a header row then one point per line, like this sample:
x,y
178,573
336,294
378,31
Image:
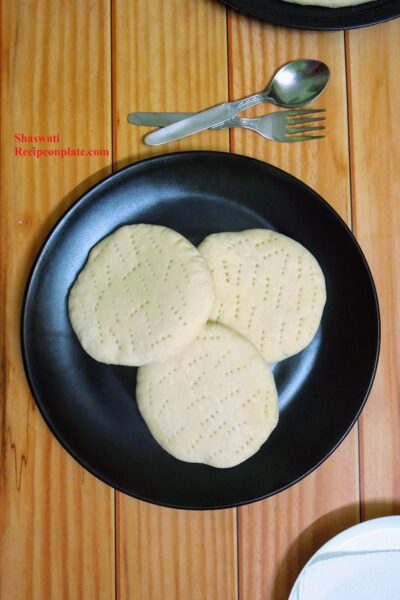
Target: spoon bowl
x,y
298,83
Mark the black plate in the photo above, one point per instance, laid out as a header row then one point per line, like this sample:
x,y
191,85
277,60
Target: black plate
x,y
91,406
318,17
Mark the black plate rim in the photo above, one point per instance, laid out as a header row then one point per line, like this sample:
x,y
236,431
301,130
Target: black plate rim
x,y
104,182
341,24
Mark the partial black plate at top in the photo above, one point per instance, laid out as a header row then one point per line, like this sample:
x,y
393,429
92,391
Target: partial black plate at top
x,y
318,17
91,407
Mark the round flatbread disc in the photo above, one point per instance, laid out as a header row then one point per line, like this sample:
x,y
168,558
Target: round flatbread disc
x,y
268,287
214,403
143,295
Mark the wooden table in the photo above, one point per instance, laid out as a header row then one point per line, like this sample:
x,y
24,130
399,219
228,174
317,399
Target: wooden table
x,y
77,67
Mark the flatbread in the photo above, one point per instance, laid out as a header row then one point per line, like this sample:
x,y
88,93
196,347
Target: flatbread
x,y
144,293
269,288
330,3
214,403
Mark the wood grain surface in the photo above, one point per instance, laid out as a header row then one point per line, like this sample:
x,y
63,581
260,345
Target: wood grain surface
x,y
177,60
375,155
56,520
167,553
78,68
292,525
168,55
324,165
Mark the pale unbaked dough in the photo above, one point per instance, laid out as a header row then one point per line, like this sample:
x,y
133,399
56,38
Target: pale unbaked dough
x,y
330,3
214,403
144,293
268,287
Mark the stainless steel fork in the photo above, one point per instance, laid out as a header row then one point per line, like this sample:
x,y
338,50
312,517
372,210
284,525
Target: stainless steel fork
x,y
280,126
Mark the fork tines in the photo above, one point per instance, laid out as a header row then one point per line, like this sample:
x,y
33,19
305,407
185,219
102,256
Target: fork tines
x,y
297,122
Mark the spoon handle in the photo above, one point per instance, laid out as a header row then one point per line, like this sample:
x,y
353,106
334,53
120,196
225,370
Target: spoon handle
x,y
157,119
161,119
202,120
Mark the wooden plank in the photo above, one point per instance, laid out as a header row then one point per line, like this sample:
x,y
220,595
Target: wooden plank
x,y
170,55
56,520
256,50
373,73
277,536
164,553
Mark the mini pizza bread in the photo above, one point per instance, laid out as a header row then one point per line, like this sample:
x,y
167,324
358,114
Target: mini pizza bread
x,y
268,287
143,295
214,403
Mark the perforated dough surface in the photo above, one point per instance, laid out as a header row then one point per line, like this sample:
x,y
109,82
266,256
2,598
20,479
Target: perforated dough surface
x,y
269,288
144,293
215,403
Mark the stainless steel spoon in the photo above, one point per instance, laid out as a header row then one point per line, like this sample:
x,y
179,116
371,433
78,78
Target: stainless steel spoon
x,y
293,85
